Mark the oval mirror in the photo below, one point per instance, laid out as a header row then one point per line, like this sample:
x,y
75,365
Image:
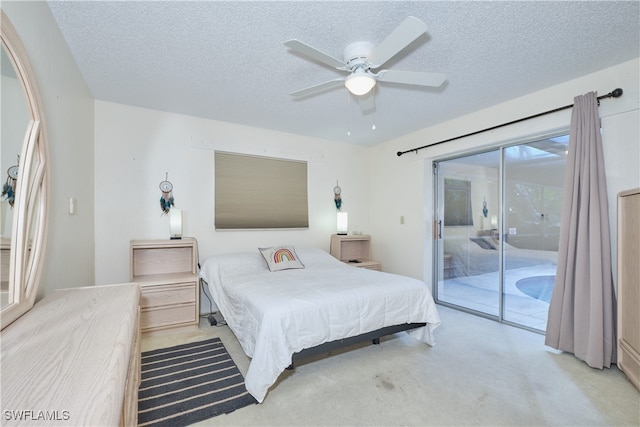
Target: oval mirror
x,y
24,157
14,116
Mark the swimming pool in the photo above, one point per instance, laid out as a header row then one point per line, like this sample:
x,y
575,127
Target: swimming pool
x,y
538,287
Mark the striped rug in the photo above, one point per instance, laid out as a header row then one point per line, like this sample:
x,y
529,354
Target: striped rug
x,y
188,383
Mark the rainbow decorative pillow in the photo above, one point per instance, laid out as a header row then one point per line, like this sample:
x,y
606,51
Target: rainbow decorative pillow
x,y
281,258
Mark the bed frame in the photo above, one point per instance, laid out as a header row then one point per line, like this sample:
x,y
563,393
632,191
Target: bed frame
x,y
374,336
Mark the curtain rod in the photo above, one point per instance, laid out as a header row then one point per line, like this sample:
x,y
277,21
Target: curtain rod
x,y
616,93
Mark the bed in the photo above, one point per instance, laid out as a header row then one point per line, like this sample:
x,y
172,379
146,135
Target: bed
x,y
276,314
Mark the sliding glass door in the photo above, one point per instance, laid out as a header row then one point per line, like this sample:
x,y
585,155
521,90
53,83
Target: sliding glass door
x,y
468,213
533,178
497,229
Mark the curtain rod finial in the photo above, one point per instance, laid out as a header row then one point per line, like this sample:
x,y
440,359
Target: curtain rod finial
x,y
399,153
616,93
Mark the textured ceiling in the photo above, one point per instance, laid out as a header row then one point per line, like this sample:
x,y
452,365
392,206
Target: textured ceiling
x,y
226,60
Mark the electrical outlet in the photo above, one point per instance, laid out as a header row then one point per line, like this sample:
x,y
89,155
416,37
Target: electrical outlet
x,y
513,231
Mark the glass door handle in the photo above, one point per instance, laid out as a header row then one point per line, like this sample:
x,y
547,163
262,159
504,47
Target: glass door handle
x,y
437,229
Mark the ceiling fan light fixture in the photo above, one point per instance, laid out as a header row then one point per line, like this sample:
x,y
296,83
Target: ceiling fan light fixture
x,y
359,83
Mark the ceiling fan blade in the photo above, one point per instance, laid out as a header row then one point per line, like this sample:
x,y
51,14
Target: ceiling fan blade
x,y
409,30
318,88
314,53
411,77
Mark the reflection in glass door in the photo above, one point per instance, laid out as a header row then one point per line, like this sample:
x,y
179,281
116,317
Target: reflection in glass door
x,y
497,230
533,178
468,213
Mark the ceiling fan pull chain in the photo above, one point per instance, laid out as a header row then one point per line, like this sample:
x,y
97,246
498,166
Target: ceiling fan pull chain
x,y
373,127
348,114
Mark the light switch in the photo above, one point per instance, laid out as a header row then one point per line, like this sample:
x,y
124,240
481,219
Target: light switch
x,y
72,205
402,219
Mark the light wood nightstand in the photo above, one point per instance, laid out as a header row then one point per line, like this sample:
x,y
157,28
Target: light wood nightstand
x,y
354,250
166,273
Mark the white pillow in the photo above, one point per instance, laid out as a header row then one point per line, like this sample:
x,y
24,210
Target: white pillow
x,y
281,258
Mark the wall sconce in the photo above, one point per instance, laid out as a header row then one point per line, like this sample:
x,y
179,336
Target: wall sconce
x,y
343,222
175,223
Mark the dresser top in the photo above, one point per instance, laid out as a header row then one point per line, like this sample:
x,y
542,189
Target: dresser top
x,y
66,360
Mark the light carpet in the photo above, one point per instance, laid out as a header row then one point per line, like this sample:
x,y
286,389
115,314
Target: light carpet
x,y
479,373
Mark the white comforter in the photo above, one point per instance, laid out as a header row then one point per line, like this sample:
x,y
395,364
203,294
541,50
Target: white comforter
x,y
275,315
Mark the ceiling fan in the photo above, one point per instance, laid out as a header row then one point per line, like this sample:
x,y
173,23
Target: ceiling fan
x,y
360,58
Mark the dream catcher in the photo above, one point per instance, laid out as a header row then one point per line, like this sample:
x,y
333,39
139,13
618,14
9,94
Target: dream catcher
x,y
166,200
9,188
336,196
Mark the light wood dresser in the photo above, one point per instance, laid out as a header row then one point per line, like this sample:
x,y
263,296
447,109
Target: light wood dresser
x,y
354,249
629,284
74,359
166,273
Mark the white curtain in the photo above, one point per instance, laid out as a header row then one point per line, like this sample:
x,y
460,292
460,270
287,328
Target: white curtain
x,y
582,308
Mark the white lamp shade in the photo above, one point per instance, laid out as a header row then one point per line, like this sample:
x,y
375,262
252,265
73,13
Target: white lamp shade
x,y
359,84
175,223
343,222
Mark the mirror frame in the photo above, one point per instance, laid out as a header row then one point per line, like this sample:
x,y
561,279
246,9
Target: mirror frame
x,y
30,216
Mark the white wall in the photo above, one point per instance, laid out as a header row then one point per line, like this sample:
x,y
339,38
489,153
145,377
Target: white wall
x,y
68,110
135,147
403,185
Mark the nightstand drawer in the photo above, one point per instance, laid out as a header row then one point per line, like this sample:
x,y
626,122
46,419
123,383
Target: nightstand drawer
x,y
169,294
161,317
